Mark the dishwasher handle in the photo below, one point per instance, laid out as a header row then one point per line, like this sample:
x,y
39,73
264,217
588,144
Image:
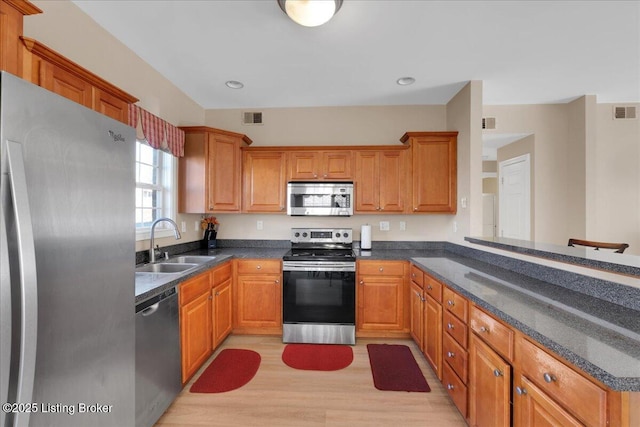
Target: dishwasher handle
x,y
151,309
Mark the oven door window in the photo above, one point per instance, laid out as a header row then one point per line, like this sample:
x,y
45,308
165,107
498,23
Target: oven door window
x,y
319,297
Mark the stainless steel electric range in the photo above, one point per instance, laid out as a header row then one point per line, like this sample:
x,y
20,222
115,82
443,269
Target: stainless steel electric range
x,y
319,288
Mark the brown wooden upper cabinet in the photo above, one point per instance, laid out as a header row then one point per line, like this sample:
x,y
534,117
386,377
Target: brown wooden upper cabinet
x,y
434,170
210,173
11,48
381,180
314,164
47,68
264,180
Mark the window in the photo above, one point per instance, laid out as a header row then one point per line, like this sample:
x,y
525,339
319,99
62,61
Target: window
x,y
154,187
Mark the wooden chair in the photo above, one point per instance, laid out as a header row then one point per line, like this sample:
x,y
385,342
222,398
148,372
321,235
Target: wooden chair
x,y
620,247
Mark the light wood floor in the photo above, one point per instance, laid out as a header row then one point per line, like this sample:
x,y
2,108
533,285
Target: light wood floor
x,y
282,396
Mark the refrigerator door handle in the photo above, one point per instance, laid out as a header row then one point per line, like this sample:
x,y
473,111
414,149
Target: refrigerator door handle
x,y
28,279
5,317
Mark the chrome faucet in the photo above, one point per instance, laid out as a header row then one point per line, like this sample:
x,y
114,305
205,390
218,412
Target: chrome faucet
x,y
152,250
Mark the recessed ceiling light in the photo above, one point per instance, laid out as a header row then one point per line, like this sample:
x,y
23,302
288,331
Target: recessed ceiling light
x,y
405,81
234,84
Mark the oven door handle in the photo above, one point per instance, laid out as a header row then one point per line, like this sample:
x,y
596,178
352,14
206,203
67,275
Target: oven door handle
x,y
318,266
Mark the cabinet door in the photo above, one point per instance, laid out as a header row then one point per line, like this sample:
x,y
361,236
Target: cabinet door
x,y
110,106
303,165
432,346
224,173
380,303
417,311
221,305
65,84
366,183
195,334
489,386
393,187
264,181
536,409
336,164
434,174
259,303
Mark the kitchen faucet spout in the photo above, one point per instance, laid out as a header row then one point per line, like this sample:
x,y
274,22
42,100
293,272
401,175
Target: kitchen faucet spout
x,y
152,251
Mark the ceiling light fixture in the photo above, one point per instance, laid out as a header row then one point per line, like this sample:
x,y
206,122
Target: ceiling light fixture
x,y
310,13
233,84
405,81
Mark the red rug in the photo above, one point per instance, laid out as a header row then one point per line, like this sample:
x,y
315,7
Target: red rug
x,y
231,369
317,357
394,368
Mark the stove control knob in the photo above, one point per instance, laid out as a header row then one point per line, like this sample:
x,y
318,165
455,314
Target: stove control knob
x,y
338,235
297,234
304,234
345,235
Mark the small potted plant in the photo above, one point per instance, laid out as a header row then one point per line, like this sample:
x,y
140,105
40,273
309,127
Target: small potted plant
x,y
210,226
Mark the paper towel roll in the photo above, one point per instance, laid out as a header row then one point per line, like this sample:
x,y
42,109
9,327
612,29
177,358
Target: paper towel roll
x,y
365,237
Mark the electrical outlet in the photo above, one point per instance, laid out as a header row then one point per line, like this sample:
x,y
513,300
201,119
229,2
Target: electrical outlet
x,y
403,225
455,226
463,202
259,225
183,226
384,225
196,226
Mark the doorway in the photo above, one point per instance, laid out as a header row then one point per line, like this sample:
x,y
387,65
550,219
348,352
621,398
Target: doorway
x,y
514,198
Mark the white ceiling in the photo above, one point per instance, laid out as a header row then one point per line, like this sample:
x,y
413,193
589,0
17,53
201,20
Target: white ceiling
x,y
524,52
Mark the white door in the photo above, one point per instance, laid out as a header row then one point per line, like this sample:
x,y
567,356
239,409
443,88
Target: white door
x,y
514,198
488,215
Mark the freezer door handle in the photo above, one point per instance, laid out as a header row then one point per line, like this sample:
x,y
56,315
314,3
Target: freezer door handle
x,y
28,278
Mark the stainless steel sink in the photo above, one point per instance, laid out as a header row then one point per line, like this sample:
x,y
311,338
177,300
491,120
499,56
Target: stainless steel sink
x,y
166,267
195,259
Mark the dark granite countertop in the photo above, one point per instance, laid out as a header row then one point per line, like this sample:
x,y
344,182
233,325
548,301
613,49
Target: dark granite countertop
x,y
599,337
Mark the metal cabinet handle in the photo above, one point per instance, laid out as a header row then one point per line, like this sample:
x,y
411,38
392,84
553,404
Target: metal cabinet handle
x,y
483,329
450,326
450,303
361,282
210,297
429,287
413,275
217,293
497,373
259,267
415,209
277,281
451,354
549,378
381,269
450,387
521,391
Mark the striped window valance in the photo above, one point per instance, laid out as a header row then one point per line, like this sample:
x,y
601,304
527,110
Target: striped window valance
x,y
156,132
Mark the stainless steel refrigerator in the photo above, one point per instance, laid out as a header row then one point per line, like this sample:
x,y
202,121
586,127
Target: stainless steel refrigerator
x,y
67,260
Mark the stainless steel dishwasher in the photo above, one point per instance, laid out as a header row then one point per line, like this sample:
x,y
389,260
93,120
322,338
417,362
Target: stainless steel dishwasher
x,y
158,369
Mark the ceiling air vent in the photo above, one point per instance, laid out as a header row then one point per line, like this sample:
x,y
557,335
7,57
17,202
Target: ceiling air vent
x,y
488,123
624,113
252,118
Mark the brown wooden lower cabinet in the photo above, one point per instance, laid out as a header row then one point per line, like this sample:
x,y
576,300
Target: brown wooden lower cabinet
x,y
221,303
432,346
489,386
195,323
258,297
537,409
417,313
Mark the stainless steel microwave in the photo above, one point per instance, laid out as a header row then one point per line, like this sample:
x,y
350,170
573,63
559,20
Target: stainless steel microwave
x,y
320,198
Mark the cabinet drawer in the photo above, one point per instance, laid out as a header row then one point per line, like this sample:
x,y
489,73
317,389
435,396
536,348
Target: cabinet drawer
x,y
381,268
456,389
417,275
456,304
433,288
194,287
222,273
576,393
494,333
259,266
455,356
456,328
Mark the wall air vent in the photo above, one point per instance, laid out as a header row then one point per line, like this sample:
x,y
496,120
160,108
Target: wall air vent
x,y
488,123
624,113
252,118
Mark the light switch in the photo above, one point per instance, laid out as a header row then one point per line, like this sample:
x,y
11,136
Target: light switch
x,y
259,225
463,202
384,225
403,225
183,226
